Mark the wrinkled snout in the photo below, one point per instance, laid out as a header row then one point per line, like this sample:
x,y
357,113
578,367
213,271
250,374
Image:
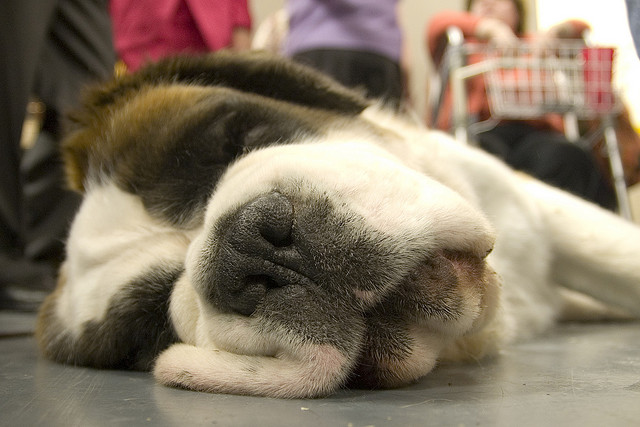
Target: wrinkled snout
x,y
256,253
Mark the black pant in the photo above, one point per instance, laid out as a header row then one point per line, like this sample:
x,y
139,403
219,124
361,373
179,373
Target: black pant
x,y
378,75
550,157
50,49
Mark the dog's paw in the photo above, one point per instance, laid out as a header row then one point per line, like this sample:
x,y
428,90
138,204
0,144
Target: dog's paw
x,y
312,371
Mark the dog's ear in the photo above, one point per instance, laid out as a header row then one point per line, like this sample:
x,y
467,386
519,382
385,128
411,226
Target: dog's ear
x,y
253,72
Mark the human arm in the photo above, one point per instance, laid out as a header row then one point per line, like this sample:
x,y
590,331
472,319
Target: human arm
x,y
240,39
570,29
565,30
241,31
472,27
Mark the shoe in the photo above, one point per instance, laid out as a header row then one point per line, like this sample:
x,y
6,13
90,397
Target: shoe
x,y
24,283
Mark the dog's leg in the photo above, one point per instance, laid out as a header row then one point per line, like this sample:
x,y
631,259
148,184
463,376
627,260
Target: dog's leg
x,y
595,252
308,370
110,308
279,351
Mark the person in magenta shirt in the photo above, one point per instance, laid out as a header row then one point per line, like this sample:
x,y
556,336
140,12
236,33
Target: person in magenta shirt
x,y
147,30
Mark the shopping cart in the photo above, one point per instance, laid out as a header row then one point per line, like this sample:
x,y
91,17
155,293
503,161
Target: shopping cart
x,y
528,81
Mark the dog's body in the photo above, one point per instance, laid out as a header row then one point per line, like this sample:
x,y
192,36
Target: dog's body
x,y
250,227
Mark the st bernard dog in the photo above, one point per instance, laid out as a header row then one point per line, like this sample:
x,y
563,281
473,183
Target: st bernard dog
x,y
251,227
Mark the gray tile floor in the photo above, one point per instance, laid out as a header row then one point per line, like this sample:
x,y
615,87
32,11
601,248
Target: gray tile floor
x,y
582,375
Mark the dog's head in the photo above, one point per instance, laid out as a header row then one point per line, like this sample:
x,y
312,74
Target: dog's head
x,y
324,253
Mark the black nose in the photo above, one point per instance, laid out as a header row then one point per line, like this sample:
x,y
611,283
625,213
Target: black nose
x,y
256,254
264,223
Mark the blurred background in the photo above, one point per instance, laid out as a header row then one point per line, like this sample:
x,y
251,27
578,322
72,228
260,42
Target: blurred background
x,y
608,21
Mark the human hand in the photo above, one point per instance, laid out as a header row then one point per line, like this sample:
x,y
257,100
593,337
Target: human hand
x,y
548,40
497,32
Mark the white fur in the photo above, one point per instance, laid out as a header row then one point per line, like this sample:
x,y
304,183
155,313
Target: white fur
x,y
311,370
229,353
373,183
421,186
112,240
437,194
546,238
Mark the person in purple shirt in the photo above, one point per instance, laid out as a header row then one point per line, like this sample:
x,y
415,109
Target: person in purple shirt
x,y
357,42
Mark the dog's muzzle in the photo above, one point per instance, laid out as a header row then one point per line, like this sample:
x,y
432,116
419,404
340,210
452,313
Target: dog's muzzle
x,y
256,254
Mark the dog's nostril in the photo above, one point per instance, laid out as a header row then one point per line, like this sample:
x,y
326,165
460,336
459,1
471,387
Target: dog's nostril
x,y
255,287
278,234
261,281
273,216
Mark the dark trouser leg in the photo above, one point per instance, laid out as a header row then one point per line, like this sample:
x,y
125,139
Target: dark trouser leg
x,y
550,157
379,76
23,28
51,48
49,207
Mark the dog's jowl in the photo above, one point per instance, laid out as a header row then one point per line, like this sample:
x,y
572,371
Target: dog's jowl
x,y
251,227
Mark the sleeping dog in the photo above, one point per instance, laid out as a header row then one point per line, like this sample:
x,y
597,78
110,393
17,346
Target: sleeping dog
x,y
251,227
